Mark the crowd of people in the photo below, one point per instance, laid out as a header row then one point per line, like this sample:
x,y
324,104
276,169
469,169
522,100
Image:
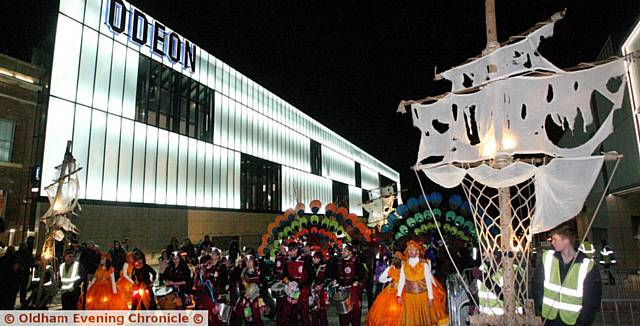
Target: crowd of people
x,y
399,287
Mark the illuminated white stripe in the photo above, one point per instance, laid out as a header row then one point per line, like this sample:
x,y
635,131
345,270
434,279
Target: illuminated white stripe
x,y
582,274
561,305
497,311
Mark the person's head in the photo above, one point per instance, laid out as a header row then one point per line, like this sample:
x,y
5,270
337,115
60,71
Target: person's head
x,y
603,242
317,257
105,260
283,249
251,262
74,244
206,238
116,244
91,245
139,260
129,258
215,254
563,237
413,249
205,261
69,256
347,250
293,249
176,258
174,241
187,242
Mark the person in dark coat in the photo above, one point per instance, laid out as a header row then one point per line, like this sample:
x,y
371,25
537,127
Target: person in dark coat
x,y
25,254
118,257
10,280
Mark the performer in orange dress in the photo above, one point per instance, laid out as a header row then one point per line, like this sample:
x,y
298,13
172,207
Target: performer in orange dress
x,y
125,282
416,279
102,293
385,310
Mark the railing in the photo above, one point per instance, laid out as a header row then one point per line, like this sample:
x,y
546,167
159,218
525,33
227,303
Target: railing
x,y
627,284
618,312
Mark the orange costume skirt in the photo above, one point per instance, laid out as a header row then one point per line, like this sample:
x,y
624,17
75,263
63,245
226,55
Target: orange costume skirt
x,y
124,285
100,295
385,310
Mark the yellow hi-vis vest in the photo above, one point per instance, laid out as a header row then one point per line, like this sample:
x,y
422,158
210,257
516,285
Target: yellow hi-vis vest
x,y
489,303
68,276
564,299
588,249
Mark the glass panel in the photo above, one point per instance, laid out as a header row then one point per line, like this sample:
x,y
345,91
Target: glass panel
x,y
112,148
224,121
211,78
103,68
92,13
225,79
137,173
182,170
117,78
130,82
355,200
96,155
224,177
231,109
172,168
150,165
217,116
200,176
80,144
208,176
204,67
231,163
161,173
126,160
219,70
215,196
243,128
191,172
236,192
87,66
64,71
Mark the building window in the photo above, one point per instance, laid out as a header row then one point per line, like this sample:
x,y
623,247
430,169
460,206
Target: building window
x,y
172,101
6,139
260,187
316,157
340,192
358,175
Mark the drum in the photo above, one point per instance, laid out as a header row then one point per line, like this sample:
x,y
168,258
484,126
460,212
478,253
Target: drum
x,y
224,312
166,298
313,300
277,290
342,300
252,292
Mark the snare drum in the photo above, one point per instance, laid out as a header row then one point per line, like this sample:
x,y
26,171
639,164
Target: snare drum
x,y
166,298
342,300
277,290
224,312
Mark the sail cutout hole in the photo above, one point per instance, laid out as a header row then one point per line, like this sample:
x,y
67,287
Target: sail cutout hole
x,y
454,110
440,126
467,82
575,85
471,126
527,64
614,83
523,111
549,93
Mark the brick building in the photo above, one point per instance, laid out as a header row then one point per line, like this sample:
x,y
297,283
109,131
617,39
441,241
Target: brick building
x,y
21,86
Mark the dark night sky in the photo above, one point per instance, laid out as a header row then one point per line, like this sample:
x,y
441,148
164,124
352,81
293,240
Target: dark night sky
x,y
348,63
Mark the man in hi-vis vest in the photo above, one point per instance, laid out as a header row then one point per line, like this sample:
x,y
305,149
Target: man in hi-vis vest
x,y
71,276
565,293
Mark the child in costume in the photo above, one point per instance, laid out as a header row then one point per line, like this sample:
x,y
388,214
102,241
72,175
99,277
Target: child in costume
x,y
125,282
385,310
102,293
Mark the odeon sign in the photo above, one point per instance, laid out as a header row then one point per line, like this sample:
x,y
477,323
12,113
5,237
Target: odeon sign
x,y
146,31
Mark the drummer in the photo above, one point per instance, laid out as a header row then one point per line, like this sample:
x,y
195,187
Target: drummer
x,y
178,276
319,314
281,264
349,274
218,274
300,270
248,307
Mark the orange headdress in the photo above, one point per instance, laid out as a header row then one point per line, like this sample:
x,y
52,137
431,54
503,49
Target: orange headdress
x,y
415,245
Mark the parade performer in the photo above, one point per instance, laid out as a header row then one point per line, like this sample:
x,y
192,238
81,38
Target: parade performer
x,y
125,282
71,276
300,270
386,311
248,307
416,279
102,293
178,276
204,292
279,272
349,274
319,313
143,276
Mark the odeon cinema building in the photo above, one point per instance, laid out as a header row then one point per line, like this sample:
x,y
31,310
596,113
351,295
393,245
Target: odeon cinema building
x,y
174,142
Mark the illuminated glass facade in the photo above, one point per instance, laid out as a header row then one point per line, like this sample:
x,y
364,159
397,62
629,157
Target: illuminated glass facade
x,y
148,128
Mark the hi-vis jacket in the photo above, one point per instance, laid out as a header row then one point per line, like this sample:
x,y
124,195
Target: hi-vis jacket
x,y
69,276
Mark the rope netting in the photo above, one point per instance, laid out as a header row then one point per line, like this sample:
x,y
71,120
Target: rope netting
x,y
495,210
